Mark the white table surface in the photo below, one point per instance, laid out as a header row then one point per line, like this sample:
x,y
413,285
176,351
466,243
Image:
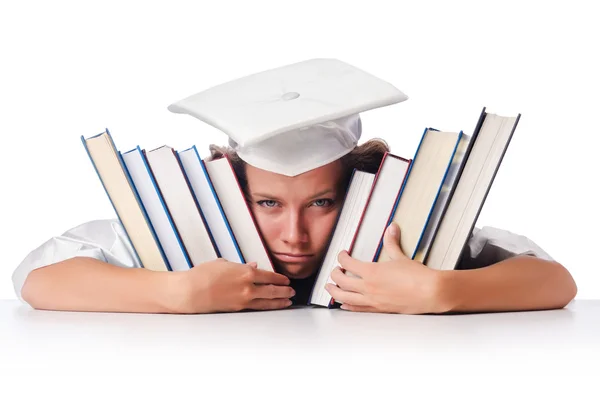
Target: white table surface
x,y
302,343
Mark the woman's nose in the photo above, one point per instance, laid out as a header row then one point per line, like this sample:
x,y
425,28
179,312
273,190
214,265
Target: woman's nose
x,y
294,229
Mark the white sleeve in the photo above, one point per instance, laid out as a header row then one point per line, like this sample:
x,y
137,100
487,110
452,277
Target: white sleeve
x,y
104,240
490,245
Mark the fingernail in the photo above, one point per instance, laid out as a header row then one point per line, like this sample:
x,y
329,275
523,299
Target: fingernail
x,y
393,229
293,293
288,303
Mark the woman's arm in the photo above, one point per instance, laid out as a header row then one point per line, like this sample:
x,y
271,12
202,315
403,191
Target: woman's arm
x,y
88,284
402,285
518,283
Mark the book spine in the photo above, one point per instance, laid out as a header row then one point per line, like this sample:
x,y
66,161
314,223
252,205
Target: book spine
x,y
437,196
83,140
489,186
260,237
391,216
164,205
218,202
312,291
362,215
397,201
191,191
472,140
144,211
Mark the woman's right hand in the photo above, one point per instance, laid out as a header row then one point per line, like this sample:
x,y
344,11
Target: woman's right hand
x,y
223,286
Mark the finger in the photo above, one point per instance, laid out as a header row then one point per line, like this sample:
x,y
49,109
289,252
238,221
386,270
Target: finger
x,y
341,296
345,282
353,265
269,304
357,308
272,292
391,242
260,276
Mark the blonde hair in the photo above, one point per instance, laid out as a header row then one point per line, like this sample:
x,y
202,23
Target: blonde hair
x,y
364,157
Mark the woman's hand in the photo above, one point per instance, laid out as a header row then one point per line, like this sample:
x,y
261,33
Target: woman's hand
x,y
222,286
400,285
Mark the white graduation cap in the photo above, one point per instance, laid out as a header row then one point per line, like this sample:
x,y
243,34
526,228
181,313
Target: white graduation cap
x,y
294,118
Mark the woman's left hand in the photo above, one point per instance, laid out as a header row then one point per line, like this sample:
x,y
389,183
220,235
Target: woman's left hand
x,y
400,285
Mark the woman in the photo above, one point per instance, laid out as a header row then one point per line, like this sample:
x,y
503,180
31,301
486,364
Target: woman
x,y
293,136
296,216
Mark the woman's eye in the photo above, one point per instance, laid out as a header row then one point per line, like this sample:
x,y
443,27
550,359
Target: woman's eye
x,y
323,202
268,203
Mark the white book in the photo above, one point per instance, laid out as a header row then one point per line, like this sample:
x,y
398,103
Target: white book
x,y
473,185
345,229
203,189
156,209
182,205
428,170
238,213
119,188
383,197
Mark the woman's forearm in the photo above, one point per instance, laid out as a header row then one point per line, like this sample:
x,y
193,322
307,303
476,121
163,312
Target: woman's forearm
x,y
519,283
87,284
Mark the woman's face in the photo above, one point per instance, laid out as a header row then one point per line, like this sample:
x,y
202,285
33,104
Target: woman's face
x,y
296,215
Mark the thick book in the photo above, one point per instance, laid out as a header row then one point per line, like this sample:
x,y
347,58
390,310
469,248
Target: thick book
x,y
182,205
128,207
387,188
445,193
488,148
343,234
238,213
137,166
209,203
430,166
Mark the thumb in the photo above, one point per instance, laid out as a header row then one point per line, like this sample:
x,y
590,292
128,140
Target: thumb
x,y
391,242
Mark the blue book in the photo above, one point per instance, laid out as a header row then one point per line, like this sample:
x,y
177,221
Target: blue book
x,y
156,208
210,205
421,193
125,200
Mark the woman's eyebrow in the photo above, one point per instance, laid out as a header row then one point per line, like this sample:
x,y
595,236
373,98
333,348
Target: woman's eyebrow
x,y
274,198
322,193
265,196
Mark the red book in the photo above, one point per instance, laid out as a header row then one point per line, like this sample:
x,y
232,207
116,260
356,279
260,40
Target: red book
x,y
385,193
374,213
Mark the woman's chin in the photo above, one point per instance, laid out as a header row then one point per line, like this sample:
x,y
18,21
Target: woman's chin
x,y
296,271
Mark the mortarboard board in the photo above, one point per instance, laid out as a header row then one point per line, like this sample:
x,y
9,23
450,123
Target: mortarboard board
x,y
294,118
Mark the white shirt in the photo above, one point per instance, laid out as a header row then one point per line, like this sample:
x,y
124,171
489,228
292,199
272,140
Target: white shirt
x,y
106,240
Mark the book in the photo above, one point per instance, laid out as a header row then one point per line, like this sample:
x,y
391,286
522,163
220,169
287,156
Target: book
x,y
454,172
493,136
441,203
387,187
182,205
238,213
343,233
209,203
162,222
430,165
120,190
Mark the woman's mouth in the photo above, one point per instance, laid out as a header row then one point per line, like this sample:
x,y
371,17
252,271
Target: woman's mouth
x,y
286,257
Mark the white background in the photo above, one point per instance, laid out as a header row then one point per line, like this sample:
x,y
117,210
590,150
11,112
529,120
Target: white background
x,y
75,68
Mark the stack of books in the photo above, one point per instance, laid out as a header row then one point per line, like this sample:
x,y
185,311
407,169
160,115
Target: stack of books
x,y
180,210
177,210
435,198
